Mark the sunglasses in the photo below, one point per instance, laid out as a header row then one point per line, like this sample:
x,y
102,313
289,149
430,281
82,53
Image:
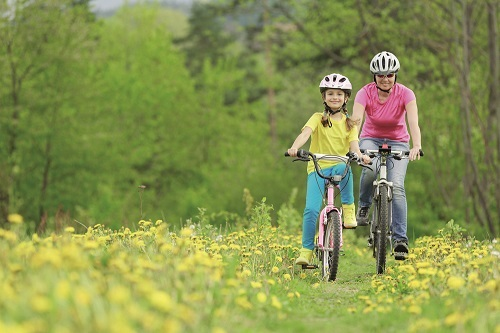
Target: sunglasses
x,y
388,75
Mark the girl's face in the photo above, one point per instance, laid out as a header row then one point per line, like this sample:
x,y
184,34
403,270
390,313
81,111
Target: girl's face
x,y
335,98
386,82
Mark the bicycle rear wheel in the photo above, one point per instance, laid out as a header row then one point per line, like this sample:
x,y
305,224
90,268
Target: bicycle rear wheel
x,y
381,229
332,241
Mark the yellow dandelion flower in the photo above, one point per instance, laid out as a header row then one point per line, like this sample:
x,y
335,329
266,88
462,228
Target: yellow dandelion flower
x,y
271,282
287,277
161,301
275,269
243,302
455,282
218,330
423,264
63,289
351,309
276,303
278,259
41,304
414,309
368,309
15,218
303,275
246,273
261,297
490,285
316,285
186,232
69,230
453,319
256,285
119,294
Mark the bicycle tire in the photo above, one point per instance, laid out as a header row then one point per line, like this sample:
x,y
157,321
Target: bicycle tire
x,y
332,241
382,228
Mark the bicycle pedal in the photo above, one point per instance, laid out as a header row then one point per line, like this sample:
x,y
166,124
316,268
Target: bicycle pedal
x,y
309,266
400,255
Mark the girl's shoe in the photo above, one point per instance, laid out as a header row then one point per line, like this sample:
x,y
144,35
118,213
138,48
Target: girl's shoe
x,y
304,257
349,216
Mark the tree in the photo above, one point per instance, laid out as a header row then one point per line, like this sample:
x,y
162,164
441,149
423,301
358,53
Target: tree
x,y
41,40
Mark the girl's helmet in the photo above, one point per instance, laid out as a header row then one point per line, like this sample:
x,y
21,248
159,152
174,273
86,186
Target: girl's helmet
x,y
336,81
384,63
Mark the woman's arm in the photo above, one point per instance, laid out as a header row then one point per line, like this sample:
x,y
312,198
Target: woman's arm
x,y
358,113
412,115
300,141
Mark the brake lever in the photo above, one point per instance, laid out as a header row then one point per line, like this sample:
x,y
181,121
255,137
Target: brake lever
x,y
301,159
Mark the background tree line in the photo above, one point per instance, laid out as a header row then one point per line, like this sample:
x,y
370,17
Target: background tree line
x,y
199,107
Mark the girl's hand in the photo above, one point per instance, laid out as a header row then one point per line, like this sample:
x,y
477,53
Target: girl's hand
x,y
292,152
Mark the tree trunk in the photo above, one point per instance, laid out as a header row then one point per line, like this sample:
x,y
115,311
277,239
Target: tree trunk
x,y
494,109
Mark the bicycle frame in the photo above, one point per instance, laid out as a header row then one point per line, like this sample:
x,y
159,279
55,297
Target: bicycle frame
x,y
323,216
380,229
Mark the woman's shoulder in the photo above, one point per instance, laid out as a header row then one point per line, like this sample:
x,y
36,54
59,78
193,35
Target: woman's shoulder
x,y
367,90
369,86
402,87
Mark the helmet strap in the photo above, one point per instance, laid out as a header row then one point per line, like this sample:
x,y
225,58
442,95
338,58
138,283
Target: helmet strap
x,y
330,111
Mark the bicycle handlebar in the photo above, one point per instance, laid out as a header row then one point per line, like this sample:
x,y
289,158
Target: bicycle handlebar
x,y
398,154
304,155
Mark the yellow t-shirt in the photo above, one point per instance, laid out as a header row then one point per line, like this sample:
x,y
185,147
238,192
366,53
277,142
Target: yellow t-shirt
x,y
329,140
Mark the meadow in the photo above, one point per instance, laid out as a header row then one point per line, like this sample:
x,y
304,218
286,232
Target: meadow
x,y
200,278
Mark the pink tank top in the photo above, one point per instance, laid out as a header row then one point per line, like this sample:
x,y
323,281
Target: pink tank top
x,y
385,120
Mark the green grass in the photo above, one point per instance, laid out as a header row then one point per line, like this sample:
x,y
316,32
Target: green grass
x,y
204,280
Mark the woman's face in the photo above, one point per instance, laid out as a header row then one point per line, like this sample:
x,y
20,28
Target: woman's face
x,y
335,98
386,82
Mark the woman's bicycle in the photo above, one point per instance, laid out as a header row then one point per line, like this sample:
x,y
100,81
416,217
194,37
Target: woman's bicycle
x,y
381,222
329,239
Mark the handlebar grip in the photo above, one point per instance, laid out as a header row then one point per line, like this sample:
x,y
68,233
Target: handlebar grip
x,y
420,151
301,153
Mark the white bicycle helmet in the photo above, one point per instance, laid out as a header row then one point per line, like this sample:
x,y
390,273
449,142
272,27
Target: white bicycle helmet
x,y
336,81
384,63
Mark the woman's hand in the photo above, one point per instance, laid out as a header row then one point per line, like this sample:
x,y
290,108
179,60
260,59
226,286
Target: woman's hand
x,y
414,154
365,159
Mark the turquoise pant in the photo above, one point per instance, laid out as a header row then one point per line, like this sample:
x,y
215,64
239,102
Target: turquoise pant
x,y
314,199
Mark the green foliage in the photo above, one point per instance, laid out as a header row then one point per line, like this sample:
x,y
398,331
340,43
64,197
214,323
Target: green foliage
x,y
289,218
199,107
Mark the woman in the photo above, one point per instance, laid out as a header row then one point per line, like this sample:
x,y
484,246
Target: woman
x,y
387,106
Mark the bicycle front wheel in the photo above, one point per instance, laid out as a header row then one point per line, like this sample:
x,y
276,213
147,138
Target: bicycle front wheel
x,y
381,230
332,241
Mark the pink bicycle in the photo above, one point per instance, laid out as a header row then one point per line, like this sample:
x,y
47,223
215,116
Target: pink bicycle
x,y
329,238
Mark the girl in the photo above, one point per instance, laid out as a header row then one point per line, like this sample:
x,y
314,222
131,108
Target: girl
x,y
332,132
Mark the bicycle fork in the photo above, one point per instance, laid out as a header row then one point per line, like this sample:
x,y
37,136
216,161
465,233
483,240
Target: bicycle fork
x,y
375,219
323,217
